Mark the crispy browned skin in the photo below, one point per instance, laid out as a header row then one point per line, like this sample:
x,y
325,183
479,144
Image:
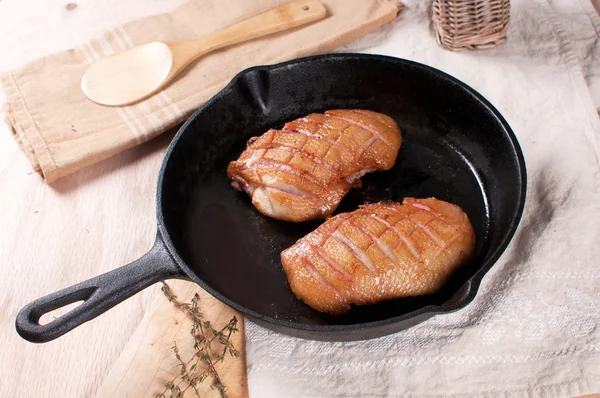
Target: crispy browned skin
x,y
303,171
381,251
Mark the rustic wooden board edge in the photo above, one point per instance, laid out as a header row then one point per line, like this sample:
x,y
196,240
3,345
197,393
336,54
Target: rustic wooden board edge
x,y
147,363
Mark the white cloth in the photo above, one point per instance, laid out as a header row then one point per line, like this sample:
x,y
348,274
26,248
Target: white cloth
x,y
534,327
582,23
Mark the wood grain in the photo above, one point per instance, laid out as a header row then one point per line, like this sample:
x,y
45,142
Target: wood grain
x,y
110,80
86,224
52,237
147,362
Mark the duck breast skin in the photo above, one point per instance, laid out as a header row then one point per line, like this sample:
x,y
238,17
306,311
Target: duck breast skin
x,y
303,171
379,252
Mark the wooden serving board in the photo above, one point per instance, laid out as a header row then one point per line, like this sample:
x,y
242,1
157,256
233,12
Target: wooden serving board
x,y
148,363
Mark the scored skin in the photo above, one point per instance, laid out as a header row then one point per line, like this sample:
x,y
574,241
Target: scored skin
x,y
303,171
381,251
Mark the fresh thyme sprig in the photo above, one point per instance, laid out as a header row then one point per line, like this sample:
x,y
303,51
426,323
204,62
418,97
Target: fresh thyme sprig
x,y
201,366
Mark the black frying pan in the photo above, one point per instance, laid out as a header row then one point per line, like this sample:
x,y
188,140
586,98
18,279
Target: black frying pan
x,y
455,147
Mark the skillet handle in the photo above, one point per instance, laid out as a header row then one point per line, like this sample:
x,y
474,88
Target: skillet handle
x,y
99,294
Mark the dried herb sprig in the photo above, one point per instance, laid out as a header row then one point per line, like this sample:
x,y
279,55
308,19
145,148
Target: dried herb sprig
x,y
201,366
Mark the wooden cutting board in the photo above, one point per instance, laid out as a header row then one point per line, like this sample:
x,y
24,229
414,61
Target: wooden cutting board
x,y
147,363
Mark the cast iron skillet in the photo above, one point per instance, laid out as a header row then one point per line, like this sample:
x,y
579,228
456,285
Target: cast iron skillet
x,y
455,147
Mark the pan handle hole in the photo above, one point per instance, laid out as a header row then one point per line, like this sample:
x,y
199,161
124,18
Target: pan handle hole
x,y
305,8
57,313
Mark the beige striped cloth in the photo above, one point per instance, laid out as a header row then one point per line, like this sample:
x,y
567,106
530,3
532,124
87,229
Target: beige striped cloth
x,y
62,131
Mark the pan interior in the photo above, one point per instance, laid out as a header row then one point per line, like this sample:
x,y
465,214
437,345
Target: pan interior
x,y
454,148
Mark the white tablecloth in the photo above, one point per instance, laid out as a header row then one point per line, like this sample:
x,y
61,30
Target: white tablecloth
x,y
533,329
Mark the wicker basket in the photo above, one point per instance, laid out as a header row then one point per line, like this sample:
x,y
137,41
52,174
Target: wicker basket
x,y
470,24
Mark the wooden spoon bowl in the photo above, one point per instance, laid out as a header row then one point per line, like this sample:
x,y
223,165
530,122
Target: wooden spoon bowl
x,y
135,74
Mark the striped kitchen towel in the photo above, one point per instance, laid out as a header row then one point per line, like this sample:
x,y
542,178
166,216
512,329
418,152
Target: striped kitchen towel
x,y
62,131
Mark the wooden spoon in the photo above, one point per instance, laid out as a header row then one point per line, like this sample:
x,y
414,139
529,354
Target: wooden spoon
x,y
135,74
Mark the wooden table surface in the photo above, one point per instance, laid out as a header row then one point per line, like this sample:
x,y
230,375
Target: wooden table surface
x,y
83,225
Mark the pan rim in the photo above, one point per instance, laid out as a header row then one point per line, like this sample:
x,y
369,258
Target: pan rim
x,y
472,283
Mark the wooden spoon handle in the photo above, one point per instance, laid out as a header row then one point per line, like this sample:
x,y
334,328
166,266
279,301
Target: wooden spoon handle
x,y
291,15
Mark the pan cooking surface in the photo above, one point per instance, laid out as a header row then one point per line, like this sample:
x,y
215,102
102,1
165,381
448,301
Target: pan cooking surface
x,y
236,249
455,147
